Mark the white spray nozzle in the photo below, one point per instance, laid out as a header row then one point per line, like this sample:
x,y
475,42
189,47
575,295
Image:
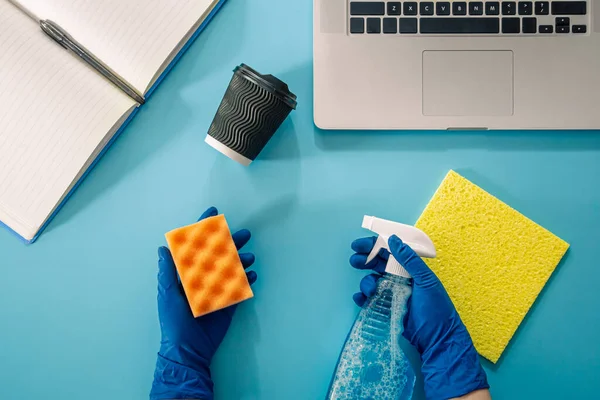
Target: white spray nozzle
x,y
415,238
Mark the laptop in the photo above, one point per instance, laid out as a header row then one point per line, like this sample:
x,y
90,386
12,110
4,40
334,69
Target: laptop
x,y
457,64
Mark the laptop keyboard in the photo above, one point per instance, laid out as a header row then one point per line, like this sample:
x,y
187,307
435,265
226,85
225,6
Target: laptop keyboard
x,y
473,17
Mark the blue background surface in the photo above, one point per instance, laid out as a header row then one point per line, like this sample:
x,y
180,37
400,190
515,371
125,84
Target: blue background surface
x,y
78,308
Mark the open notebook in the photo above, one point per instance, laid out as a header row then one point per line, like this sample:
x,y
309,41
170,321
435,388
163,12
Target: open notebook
x,y
57,114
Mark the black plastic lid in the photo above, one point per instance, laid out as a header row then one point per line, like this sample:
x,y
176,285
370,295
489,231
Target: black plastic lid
x,y
270,83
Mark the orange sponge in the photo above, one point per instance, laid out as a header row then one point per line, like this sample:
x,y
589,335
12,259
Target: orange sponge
x,y
209,265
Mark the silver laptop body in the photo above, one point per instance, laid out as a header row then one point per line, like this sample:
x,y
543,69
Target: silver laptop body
x,y
457,65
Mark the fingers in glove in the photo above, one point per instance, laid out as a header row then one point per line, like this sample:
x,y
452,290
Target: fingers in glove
x,y
368,284
364,245
241,237
416,267
211,212
252,277
359,298
359,261
167,273
247,259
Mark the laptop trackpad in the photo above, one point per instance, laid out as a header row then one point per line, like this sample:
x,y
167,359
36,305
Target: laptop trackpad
x,y
467,83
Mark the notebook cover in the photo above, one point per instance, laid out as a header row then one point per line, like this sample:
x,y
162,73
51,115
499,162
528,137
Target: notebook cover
x,y
122,128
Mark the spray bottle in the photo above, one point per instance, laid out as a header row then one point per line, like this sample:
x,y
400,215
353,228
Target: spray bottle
x,y
372,365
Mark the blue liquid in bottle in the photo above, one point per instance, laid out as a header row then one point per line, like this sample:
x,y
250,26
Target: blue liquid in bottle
x,y
372,366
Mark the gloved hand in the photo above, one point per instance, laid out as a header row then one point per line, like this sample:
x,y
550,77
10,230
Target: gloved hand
x,y
188,344
451,366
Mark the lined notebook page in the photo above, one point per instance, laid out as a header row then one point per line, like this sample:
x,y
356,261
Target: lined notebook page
x,y
133,37
55,112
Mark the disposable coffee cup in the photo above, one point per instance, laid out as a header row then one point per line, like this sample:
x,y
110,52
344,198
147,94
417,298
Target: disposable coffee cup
x,y
253,108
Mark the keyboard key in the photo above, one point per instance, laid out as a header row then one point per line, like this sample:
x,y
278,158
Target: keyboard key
x,y
426,8
390,25
546,28
394,8
459,8
525,8
569,8
442,8
460,25
492,8
367,8
357,25
542,8
511,25
530,25
563,29
579,29
509,8
408,25
410,8
563,21
373,25
475,8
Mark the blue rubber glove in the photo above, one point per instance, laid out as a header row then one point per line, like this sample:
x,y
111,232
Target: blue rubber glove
x,y
188,344
451,366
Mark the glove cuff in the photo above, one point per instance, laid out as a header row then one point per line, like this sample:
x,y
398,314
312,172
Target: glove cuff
x,y
176,381
452,369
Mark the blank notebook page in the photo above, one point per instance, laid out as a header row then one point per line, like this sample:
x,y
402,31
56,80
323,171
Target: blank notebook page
x,y
133,37
55,113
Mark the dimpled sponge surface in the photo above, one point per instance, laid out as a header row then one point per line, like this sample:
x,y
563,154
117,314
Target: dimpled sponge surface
x,y
209,265
492,260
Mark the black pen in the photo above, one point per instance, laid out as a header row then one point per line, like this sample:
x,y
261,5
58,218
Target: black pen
x,y
65,40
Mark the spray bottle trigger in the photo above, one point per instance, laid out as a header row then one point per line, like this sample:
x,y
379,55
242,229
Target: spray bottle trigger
x,y
380,243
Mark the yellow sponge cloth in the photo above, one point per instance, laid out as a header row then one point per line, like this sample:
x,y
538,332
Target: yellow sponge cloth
x,y
492,260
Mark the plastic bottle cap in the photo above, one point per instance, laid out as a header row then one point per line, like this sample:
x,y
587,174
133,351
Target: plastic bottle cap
x,y
393,267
